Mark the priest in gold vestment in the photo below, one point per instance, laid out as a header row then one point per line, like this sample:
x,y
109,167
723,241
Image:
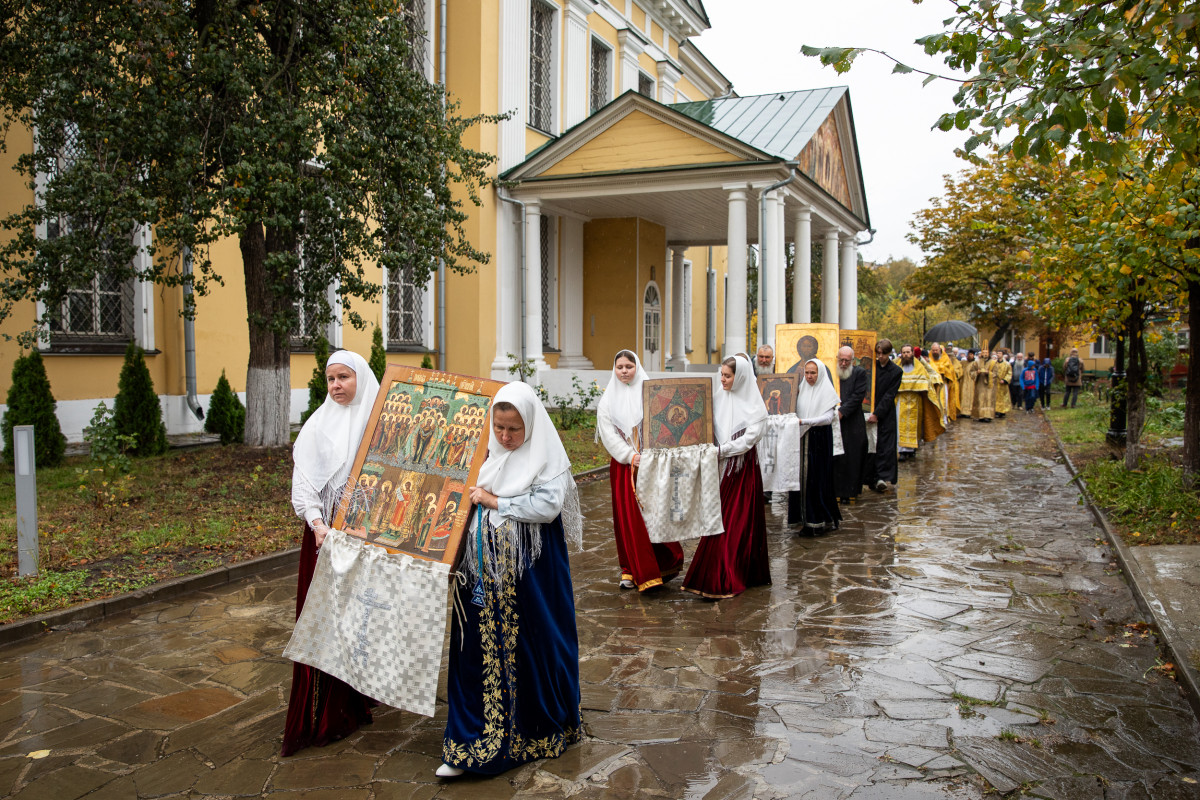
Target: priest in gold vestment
x,y
948,368
919,413
984,402
966,385
1003,373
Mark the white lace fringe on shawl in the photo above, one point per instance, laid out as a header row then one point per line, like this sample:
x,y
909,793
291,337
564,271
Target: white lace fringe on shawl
x,y
514,545
679,489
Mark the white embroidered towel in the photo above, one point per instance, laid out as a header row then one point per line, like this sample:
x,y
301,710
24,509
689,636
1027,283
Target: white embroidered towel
x,y
680,492
375,620
779,454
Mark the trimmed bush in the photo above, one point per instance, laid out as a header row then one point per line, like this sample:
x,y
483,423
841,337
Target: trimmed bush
x,y
30,402
317,388
378,359
226,414
136,410
426,363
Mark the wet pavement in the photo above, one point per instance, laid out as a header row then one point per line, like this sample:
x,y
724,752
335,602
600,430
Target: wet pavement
x,y
966,633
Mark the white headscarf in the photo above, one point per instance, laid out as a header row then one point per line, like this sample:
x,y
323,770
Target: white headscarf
x,y
328,442
539,459
814,401
623,401
740,406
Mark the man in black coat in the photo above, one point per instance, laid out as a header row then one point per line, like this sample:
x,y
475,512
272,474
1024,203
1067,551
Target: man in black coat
x,y
887,384
850,468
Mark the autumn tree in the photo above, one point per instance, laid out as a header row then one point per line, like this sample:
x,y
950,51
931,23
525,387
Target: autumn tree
x,y
303,130
976,240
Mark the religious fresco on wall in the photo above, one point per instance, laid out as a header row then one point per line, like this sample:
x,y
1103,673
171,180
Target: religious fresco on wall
x,y
779,392
863,343
796,343
823,161
676,412
424,445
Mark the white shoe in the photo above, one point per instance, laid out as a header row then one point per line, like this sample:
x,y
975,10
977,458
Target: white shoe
x,y
447,771
627,584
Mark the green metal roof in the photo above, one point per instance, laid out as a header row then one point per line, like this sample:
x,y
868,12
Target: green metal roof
x,y
781,123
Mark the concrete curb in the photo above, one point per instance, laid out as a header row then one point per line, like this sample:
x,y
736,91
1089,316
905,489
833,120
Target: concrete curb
x,y
1149,602
167,590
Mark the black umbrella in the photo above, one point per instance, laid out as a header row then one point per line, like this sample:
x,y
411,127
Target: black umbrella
x,y
949,331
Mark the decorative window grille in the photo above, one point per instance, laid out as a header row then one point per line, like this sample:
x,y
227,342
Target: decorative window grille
x,y
100,311
547,253
653,319
601,74
304,335
414,14
541,27
645,85
405,308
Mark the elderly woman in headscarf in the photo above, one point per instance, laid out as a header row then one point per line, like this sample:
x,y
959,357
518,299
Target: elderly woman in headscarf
x,y
513,683
727,564
323,709
644,564
815,507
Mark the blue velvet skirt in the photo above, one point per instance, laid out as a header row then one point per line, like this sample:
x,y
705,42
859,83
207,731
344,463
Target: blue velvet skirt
x,y
513,685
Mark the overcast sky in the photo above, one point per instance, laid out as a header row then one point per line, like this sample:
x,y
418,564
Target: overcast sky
x,y
756,43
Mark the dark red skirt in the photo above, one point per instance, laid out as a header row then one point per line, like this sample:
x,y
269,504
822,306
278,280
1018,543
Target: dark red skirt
x,y
647,564
727,564
321,709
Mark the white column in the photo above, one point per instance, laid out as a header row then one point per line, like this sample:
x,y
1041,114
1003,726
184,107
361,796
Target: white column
x,y
576,61
779,295
533,285
735,299
802,276
514,80
829,277
668,76
678,360
632,46
768,268
570,315
849,316
508,283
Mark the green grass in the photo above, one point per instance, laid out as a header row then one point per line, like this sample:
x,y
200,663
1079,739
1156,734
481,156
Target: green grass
x,y
585,453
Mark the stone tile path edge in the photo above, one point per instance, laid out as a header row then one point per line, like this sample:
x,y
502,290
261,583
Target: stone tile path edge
x,y
99,609
1142,589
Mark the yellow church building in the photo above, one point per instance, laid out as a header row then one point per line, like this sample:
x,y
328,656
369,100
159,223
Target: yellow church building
x,y
635,183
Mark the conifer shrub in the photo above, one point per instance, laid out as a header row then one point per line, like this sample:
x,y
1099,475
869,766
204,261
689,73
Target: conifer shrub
x,y
226,414
30,402
426,363
378,359
317,388
136,411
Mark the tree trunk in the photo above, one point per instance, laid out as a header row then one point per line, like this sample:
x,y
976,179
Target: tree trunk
x,y
268,374
998,335
1191,403
1135,384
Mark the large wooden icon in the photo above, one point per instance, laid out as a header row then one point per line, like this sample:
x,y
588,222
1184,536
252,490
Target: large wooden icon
x,y
676,412
424,445
863,343
779,392
796,343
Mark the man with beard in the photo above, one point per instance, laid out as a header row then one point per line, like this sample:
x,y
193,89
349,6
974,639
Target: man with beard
x,y
966,389
849,472
918,413
1002,374
984,376
947,368
764,363
887,382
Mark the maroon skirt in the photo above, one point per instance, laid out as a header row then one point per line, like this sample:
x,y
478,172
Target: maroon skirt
x,y
321,709
727,564
647,564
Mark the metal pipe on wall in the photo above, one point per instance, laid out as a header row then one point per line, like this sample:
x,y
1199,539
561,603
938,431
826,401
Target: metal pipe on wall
x,y
441,270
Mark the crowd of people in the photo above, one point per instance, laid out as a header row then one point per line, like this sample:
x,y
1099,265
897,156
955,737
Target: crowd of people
x,y
513,687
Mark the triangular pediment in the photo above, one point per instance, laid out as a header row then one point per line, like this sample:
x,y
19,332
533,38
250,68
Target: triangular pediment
x,y
824,160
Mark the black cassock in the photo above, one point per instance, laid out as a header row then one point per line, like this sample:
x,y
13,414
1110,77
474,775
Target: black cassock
x,y
887,384
850,470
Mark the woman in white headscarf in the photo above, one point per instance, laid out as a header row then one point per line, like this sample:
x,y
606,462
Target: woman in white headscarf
x,y
644,564
727,564
513,682
323,709
815,506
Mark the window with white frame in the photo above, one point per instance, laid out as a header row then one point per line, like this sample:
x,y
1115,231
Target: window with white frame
x,y
601,75
541,66
1014,341
645,85
1102,347
549,285
405,309
415,16
100,311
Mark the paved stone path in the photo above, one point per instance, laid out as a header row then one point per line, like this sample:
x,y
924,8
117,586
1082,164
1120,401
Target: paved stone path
x,y
964,632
